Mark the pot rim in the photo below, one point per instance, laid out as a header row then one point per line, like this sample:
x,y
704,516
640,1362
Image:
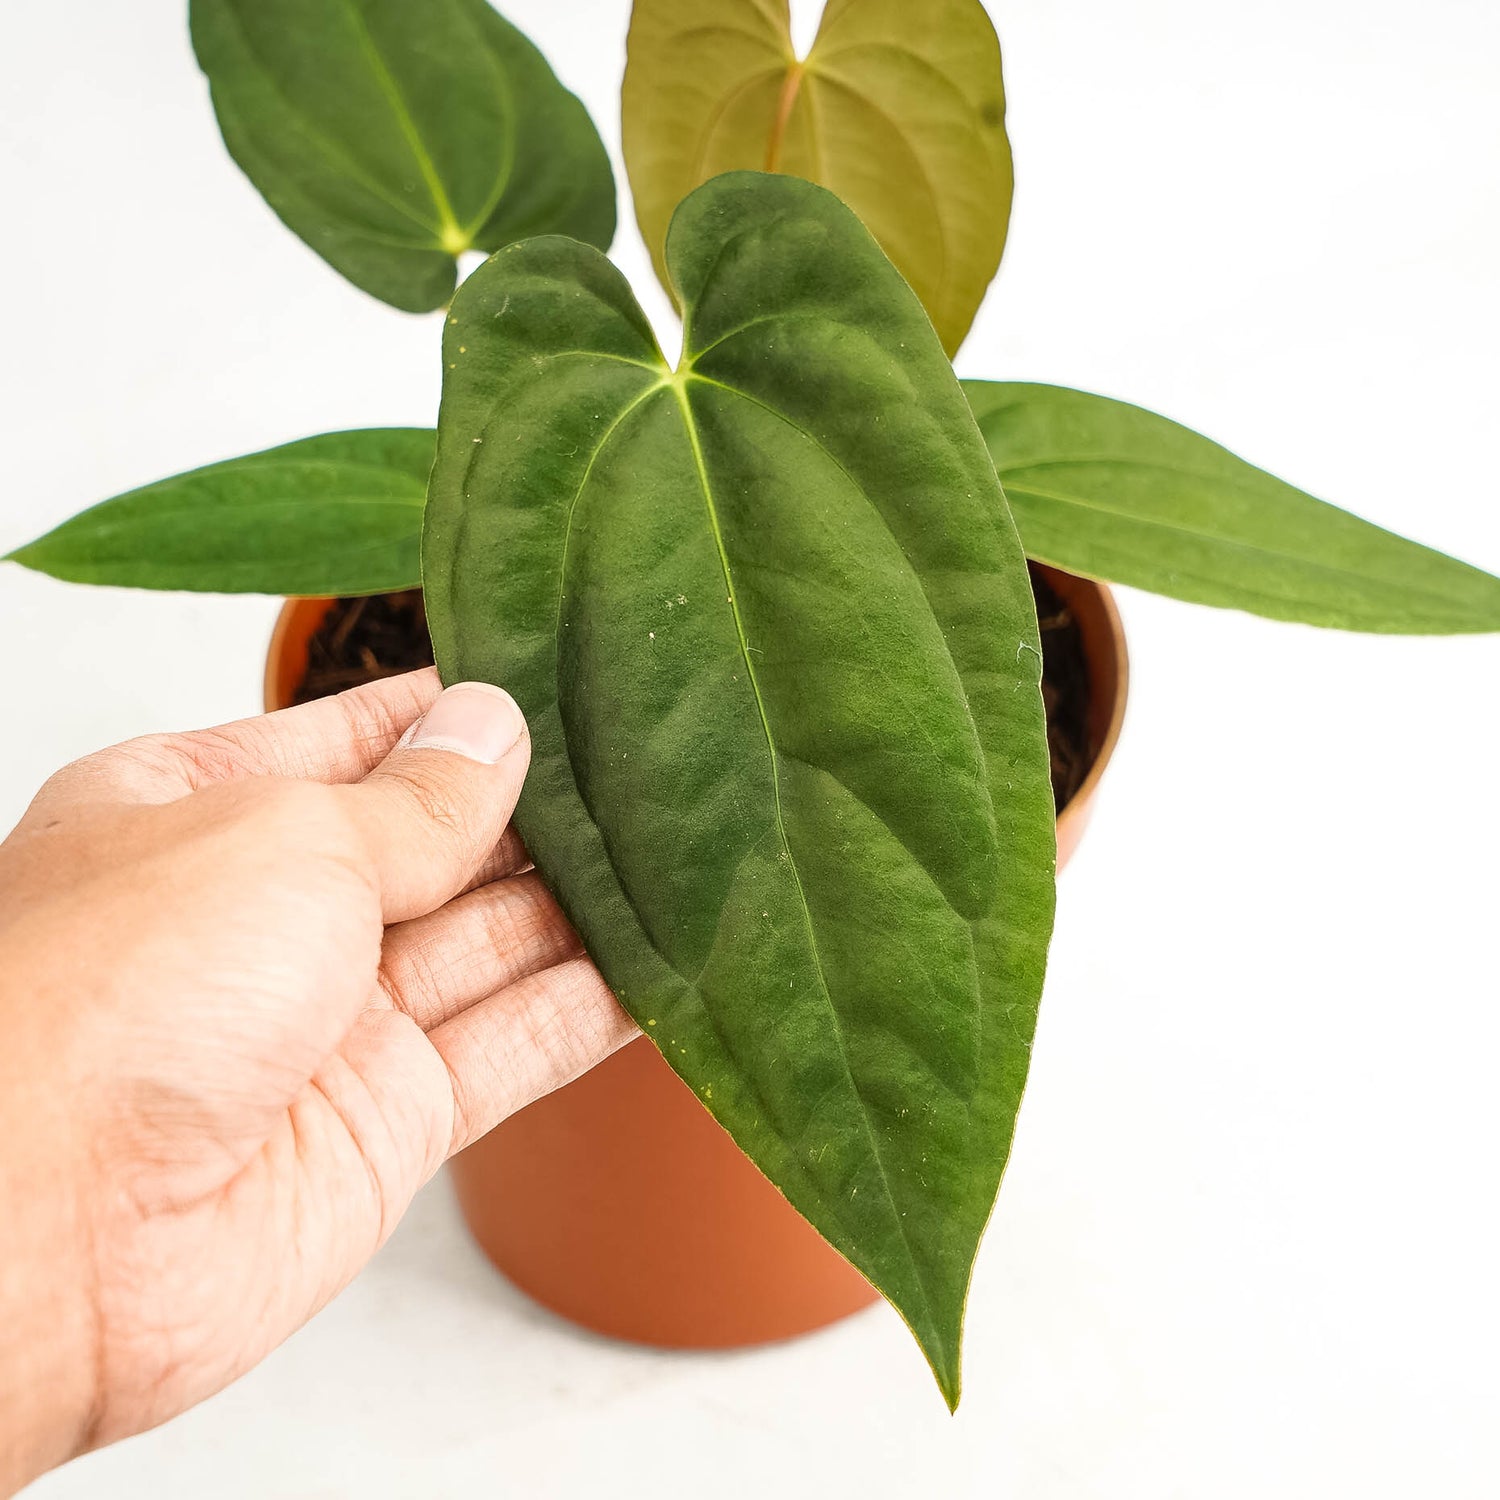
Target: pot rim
x,y
1114,670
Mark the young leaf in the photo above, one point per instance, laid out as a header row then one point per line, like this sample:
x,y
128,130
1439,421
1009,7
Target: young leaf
x,y
899,110
1111,491
392,137
771,626
337,514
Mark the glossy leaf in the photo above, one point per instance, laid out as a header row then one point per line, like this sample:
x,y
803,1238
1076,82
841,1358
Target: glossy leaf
x,y
1111,491
337,514
771,626
899,110
392,137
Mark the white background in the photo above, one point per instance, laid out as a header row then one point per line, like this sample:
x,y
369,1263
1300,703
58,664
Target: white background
x,y
1248,1242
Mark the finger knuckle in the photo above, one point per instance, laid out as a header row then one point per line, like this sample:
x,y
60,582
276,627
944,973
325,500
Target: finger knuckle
x,y
408,973
146,754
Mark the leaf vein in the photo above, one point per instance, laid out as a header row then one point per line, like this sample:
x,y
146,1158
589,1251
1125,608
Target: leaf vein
x,y
1254,549
679,388
448,220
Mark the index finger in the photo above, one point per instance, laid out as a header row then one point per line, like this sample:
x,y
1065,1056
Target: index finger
x,y
333,740
337,739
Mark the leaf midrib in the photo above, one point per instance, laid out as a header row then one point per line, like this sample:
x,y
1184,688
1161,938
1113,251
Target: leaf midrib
x,y
834,459
191,567
678,381
259,463
195,509
1253,549
679,385
326,142
447,219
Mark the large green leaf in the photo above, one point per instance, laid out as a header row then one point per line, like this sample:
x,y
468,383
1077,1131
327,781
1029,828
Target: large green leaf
x,y
771,625
899,109
337,514
392,137
1111,491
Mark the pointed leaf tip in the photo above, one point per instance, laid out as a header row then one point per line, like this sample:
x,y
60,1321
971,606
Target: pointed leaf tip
x,y
1112,491
789,772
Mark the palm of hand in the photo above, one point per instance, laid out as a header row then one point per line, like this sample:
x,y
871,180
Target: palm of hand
x,y
274,1022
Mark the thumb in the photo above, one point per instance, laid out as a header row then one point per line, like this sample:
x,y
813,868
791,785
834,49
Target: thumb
x,y
436,806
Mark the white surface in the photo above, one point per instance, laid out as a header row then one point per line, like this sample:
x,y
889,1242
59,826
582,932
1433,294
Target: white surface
x,y
1247,1245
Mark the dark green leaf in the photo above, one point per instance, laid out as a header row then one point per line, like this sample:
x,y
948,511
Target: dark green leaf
x,y
1111,491
392,137
771,625
337,514
903,118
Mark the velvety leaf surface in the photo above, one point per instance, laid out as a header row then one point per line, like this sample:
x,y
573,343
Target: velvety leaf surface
x,y
337,514
1111,491
391,137
900,110
771,626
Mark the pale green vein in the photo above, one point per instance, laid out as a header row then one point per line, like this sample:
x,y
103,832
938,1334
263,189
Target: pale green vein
x,y
324,142
452,236
1218,539
854,484
924,177
588,470
679,387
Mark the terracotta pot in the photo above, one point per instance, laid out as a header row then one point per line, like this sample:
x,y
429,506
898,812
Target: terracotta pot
x,y
617,1201
1093,607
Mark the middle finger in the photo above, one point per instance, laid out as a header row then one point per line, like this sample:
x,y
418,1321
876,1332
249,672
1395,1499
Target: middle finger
x,y
435,966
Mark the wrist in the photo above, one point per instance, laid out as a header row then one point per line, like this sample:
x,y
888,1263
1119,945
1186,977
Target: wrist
x,y
48,1344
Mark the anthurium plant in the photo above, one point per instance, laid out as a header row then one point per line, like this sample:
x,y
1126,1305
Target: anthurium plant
x,y
766,608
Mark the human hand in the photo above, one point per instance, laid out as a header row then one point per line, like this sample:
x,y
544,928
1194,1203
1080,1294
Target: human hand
x,y
256,985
